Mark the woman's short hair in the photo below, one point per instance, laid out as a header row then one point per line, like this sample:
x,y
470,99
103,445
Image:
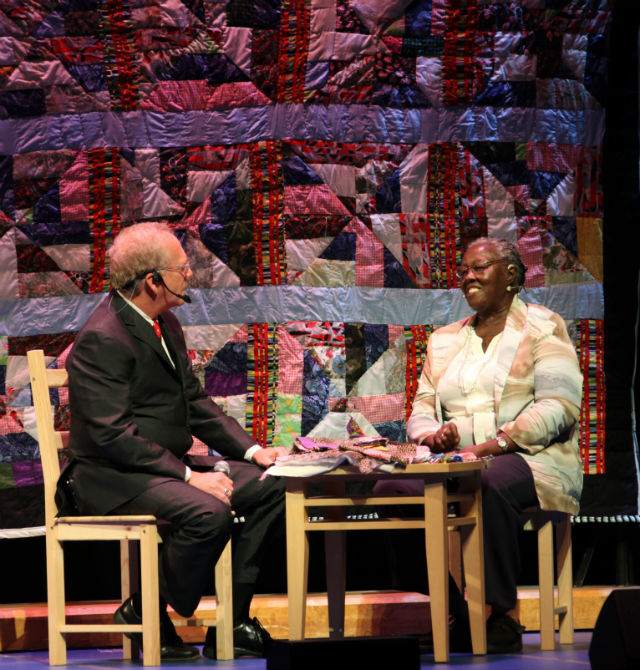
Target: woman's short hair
x,y
137,250
510,253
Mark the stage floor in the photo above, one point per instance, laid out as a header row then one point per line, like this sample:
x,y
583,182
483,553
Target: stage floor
x,y
567,657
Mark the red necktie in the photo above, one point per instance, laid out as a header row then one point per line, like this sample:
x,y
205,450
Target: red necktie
x,y
156,329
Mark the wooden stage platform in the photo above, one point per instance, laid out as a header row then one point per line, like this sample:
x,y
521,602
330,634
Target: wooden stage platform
x,y
24,627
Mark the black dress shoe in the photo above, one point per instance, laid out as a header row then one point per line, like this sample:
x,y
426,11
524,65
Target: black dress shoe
x,y
249,639
179,652
126,615
172,648
504,634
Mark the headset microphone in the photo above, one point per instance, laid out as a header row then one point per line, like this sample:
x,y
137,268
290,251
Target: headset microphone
x,y
157,278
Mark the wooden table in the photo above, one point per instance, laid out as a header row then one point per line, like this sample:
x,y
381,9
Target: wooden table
x,y
433,515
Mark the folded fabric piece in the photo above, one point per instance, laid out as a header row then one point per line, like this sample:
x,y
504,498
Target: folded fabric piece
x,y
311,457
311,463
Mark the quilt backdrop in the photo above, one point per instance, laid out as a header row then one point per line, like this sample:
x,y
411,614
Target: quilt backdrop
x,y
324,163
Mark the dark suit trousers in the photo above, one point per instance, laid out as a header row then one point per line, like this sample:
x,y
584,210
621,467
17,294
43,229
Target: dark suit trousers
x,y
200,526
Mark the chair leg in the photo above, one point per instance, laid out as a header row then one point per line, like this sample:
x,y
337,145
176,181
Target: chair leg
x,y
150,596
224,606
297,558
546,586
129,571
55,599
564,560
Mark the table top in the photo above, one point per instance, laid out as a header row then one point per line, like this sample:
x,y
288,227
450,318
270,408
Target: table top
x,y
412,471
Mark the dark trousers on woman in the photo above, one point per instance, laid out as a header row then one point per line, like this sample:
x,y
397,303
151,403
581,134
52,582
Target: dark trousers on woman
x,y
507,489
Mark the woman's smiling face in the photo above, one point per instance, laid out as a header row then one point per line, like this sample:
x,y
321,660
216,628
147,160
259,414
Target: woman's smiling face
x,y
485,288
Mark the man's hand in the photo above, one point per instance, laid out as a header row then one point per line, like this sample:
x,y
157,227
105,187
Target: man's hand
x,y
446,438
266,457
215,483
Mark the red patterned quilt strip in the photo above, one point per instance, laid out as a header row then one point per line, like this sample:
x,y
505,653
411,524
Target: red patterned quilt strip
x,y
268,224
592,414
104,170
262,381
293,50
416,338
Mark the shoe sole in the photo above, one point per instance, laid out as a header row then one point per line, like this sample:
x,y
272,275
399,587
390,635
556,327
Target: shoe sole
x,y
248,652
180,659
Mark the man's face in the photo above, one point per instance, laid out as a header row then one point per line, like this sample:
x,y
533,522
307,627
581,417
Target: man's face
x,y
176,275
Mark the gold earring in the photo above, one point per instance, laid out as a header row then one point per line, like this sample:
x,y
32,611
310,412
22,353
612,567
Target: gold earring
x,y
511,287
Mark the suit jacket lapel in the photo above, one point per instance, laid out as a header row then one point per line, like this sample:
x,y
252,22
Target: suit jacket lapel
x,y
444,350
171,346
142,331
447,350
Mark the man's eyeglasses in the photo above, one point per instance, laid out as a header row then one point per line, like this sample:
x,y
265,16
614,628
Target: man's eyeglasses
x,y
462,270
183,269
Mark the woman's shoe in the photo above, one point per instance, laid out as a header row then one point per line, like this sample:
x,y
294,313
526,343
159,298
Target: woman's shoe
x,y
504,634
459,637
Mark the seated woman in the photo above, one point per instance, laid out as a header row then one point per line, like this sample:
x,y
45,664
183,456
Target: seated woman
x,y
504,382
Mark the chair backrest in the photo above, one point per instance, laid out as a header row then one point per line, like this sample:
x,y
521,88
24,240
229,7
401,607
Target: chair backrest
x,y
50,440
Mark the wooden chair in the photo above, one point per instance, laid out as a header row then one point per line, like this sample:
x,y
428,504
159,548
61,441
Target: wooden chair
x,y
543,523
128,530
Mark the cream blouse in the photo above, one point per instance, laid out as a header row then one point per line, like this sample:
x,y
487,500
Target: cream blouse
x,y
466,390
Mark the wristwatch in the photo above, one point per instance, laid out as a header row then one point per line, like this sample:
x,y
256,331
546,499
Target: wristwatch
x,y
503,444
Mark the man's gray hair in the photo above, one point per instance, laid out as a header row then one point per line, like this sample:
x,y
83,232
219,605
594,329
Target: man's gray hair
x,y
510,253
137,250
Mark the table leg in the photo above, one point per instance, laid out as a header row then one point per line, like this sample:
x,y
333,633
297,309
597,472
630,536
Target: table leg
x,y
473,559
297,558
335,548
437,549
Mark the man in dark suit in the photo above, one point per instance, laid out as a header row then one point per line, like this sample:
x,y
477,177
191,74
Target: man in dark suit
x,y
135,405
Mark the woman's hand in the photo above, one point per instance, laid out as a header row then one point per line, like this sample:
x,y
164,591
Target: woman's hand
x,y
490,447
477,450
446,438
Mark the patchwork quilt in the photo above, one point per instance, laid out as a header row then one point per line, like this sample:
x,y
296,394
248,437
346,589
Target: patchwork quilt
x,y
324,164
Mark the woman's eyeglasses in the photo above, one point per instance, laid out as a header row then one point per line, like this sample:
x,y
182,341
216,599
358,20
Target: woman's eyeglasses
x,y
462,270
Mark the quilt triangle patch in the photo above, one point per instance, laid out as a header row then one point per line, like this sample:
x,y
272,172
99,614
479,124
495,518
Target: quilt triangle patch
x,y
31,258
